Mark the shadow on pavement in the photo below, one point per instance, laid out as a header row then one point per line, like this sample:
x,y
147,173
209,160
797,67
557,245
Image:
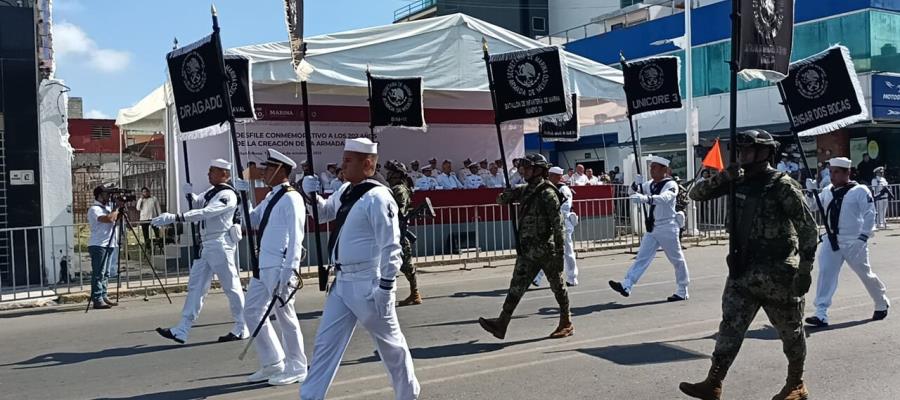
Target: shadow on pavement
x,y
469,348
63,358
153,330
463,322
843,325
486,293
194,393
587,310
644,353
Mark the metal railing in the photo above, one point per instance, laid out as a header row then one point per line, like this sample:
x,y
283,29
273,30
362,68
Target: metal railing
x,y
413,8
54,260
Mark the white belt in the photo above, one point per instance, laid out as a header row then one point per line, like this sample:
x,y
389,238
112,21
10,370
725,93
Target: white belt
x,y
357,271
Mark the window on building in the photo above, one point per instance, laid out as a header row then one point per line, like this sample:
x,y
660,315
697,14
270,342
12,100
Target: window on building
x,y
626,3
101,132
619,25
885,41
538,24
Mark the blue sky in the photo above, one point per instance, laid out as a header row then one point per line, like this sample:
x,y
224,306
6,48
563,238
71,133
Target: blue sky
x,y
112,52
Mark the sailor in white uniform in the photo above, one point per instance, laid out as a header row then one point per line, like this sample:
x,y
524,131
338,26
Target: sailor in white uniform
x,y
570,220
473,181
280,220
495,178
414,173
328,175
464,172
447,180
215,210
365,248
850,215
662,230
426,181
484,170
882,195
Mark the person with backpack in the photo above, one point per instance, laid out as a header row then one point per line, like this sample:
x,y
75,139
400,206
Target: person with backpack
x,y
662,226
215,210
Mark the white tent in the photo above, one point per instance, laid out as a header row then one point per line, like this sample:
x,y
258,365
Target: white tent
x,y
446,51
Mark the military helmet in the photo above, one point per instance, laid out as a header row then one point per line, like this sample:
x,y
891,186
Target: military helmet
x,y
535,160
396,166
756,137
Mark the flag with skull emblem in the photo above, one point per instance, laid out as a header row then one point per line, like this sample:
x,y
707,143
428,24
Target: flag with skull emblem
x,y
396,102
822,93
196,76
767,32
531,83
652,85
240,86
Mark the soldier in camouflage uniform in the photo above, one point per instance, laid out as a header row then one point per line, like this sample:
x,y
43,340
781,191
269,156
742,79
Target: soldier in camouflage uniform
x,y
775,245
401,184
539,245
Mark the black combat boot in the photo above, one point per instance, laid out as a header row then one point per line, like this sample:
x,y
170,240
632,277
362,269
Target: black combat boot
x,y
496,326
794,388
708,389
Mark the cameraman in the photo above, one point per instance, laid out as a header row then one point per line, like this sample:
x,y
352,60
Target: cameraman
x,y
102,219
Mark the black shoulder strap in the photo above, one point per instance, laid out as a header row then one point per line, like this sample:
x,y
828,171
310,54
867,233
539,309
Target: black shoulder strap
x,y
218,188
265,220
834,207
348,199
655,189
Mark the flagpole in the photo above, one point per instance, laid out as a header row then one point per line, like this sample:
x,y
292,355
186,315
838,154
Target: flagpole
x,y
245,207
735,52
487,63
689,116
634,147
322,271
787,109
371,119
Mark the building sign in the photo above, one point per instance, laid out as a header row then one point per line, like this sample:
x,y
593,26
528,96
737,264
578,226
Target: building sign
x,y
886,96
21,177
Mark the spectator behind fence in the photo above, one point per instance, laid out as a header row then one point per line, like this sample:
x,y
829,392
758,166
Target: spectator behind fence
x,y
102,220
149,208
591,179
578,179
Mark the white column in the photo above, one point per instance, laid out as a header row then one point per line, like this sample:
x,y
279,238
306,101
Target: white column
x,y
691,129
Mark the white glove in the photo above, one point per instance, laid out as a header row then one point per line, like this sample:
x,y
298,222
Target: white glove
x,y
164,219
311,184
187,188
240,185
236,233
811,184
639,179
288,282
638,198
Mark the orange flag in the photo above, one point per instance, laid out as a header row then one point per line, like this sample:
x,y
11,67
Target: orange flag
x,y
714,157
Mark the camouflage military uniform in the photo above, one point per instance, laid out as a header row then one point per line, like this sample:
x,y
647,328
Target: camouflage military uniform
x,y
403,198
540,242
781,240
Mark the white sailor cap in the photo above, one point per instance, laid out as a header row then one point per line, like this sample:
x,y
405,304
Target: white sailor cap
x,y
556,170
432,160
361,145
427,168
878,170
840,162
414,162
483,161
467,161
220,163
331,164
276,158
659,160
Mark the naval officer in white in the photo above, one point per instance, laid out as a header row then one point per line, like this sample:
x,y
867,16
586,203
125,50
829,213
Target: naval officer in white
x,y
662,230
850,215
570,221
280,220
215,210
365,249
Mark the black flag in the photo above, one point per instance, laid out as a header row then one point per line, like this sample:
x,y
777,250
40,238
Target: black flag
x,y
822,93
530,83
396,102
196,75
767,32
240,86
652,85
562,131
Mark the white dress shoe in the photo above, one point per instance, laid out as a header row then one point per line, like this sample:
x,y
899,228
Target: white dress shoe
x,y
287,378
266,372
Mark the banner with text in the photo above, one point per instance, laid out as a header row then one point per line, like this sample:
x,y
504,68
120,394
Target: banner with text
x,y
652,85
562,131
240,86
530,83
396,102
767,33
196,76
822,93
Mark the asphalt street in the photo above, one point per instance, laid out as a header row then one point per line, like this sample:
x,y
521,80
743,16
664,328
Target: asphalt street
x,y
623,348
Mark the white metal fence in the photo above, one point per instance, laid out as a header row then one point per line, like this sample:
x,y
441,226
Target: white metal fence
x,y
53,260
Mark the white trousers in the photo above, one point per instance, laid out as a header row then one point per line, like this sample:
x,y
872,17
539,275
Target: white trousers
x,y
216,258
856,253
569,263
285,345
665,236
881,207
348,303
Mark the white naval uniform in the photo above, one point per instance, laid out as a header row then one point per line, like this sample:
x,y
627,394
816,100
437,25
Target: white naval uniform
x,y
515,178
496,181
369,254
216,218
570,220
426,183
473,181
881,205
665,235
414,175
279,255
857,217
448,181
326,177
484,174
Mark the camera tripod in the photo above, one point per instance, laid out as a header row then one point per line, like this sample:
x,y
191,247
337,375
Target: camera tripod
x,y
117,234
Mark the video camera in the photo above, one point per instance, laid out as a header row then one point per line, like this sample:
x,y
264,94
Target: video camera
x,y
121,195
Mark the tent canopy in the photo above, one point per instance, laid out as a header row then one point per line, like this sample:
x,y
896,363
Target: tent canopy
x,y
446,51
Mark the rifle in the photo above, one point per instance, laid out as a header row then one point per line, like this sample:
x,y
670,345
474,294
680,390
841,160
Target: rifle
x,y
422,210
